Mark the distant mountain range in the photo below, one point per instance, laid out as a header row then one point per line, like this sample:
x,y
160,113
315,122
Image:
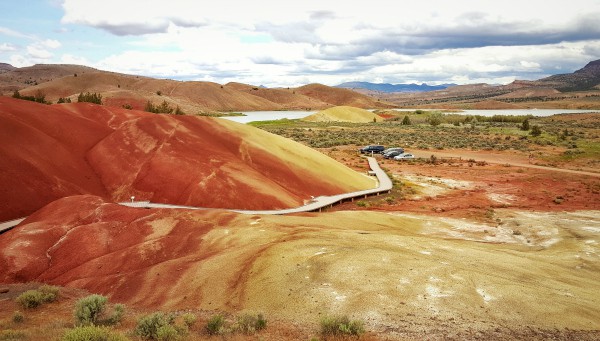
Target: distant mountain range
x,y
586,78
57,81
68,81
386,87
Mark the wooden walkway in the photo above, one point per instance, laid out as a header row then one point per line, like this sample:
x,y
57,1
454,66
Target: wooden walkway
x,y
315,205
384,185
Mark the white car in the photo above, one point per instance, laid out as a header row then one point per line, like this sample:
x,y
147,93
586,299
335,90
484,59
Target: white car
x,y
404,156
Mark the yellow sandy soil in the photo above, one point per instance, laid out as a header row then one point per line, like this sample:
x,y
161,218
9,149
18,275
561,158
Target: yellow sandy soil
x,y
343,114
395,269
290,152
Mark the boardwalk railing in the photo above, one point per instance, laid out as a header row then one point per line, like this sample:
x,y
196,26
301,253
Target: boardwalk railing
x,y
7,225
384,185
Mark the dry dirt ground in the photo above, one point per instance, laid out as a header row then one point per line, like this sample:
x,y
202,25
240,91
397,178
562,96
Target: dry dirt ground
x,y
497,247
458,251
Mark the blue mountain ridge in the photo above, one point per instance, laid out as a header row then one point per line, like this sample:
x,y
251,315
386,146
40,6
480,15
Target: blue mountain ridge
x,y
385,87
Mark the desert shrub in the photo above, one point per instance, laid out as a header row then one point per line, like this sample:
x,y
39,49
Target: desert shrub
x,y
341,325
90,98
167,333
127,106
90,310
163,108
536,131
18,317
35,298
362,203
92,333
179,111
9,334
158,326
30,299
215,325
406,121
249,324
525,125
435,119
39,97
189,319
63,100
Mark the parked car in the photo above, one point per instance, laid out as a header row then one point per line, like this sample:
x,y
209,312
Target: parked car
x,y
372,149
404,156
401,150
390,155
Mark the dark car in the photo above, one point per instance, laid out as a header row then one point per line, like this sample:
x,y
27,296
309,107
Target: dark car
x,y
394,149
391,154
372,149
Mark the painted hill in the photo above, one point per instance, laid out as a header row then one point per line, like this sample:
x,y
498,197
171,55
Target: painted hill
x,y
337,96
12,78
298,268
53,151
56,81
343,114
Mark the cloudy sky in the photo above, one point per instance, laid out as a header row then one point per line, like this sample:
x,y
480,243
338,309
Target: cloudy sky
x,y
290,43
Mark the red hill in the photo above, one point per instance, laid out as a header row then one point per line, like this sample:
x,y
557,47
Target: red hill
x,y
52,151
56,81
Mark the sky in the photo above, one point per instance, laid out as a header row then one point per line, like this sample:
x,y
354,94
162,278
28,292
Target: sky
x,y
278,43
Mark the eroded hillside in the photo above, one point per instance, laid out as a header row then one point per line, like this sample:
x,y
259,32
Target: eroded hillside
x,y
49,152
402,273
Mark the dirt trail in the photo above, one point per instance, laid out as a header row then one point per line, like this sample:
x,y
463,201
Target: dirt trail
x,y
516,160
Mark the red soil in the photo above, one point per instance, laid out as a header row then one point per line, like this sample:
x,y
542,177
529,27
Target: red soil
x,y
498,180
49,152
43,150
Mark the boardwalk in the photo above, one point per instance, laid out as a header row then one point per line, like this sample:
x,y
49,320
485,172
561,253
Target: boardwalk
x,y
384,185
315,205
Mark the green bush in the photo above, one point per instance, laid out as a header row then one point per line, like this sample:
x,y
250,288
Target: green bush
x,y
90,98
9,334
90,310
215,325
249,324
157,326
167,333
18,317
189,319
163,108
92,333
34,298
341,325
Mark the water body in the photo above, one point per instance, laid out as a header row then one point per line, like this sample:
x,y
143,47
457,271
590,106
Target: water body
x,y
515,112
252,116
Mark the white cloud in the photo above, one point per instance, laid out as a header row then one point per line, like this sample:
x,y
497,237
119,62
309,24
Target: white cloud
x,y
37,52
15,34
5,47
275,42
50,43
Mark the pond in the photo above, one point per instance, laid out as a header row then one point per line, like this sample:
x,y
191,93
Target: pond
x,y
515,112
252,116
